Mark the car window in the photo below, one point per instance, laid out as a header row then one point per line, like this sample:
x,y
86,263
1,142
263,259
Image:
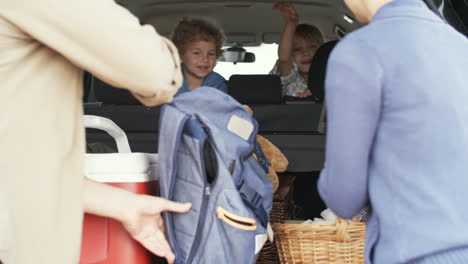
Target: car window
x,y
265,58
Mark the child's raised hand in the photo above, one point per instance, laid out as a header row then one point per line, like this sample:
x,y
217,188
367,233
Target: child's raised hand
x,y
288,12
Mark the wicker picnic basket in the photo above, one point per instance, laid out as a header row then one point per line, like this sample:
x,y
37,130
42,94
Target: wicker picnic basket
x,y
321,243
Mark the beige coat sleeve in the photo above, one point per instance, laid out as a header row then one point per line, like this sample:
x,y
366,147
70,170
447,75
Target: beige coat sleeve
x,y
106,40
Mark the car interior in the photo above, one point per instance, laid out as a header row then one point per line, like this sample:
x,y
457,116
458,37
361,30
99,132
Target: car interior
x,y
295,126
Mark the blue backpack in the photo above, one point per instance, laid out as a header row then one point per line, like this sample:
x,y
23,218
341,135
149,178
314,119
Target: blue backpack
x,y
208,156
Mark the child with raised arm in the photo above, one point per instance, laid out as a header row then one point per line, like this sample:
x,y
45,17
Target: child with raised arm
x,y
297,47
200,45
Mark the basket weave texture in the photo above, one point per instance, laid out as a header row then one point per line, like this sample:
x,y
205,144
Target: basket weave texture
x,y
278,214
341,242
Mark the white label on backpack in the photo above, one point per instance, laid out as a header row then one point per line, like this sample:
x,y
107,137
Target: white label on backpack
x,y
240,126
259,242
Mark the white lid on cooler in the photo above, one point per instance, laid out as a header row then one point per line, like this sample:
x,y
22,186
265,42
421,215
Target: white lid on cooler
x,y
123,166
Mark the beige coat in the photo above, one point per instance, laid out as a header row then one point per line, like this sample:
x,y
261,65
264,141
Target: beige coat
x,y
43,47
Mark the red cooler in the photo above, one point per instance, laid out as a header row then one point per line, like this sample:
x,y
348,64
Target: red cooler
x,y
104,240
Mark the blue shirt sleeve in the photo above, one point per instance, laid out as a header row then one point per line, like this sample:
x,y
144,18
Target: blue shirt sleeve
x,y
353,98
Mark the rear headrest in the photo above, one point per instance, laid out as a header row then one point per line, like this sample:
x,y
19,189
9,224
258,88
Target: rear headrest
x,y
318,70
256,89
108,94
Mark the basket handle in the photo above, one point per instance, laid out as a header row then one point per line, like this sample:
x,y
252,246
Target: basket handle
x,y
341,230
105,124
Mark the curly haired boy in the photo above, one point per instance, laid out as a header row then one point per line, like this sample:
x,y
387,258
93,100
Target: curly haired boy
x,y
200,45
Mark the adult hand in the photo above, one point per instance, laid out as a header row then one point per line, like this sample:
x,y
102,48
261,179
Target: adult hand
x,y
144,223
288,12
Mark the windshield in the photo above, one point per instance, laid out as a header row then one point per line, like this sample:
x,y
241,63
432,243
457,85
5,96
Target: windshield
x,y
265,58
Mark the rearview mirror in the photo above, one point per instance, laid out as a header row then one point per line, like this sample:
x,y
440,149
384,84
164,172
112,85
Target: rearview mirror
x,y
237,54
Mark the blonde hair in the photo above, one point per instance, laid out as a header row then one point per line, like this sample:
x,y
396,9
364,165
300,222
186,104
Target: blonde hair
x,y
309,32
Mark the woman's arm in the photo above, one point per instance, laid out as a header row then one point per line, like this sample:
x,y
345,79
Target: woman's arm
x,y
353,98
106,40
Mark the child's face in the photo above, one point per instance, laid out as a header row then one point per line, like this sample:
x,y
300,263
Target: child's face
x,y
303,51
199,58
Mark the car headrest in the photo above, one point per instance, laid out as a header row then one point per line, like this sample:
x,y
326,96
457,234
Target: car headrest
x,y
108,94
256,88
318,70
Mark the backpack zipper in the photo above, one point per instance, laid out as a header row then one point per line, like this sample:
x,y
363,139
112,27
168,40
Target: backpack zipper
x,y
208,172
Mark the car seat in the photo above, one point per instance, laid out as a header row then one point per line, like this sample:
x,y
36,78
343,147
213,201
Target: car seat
x,y
256,88
318,70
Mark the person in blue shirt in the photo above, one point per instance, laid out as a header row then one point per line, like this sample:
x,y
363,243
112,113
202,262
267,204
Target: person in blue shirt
x,y
397,134
199,43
